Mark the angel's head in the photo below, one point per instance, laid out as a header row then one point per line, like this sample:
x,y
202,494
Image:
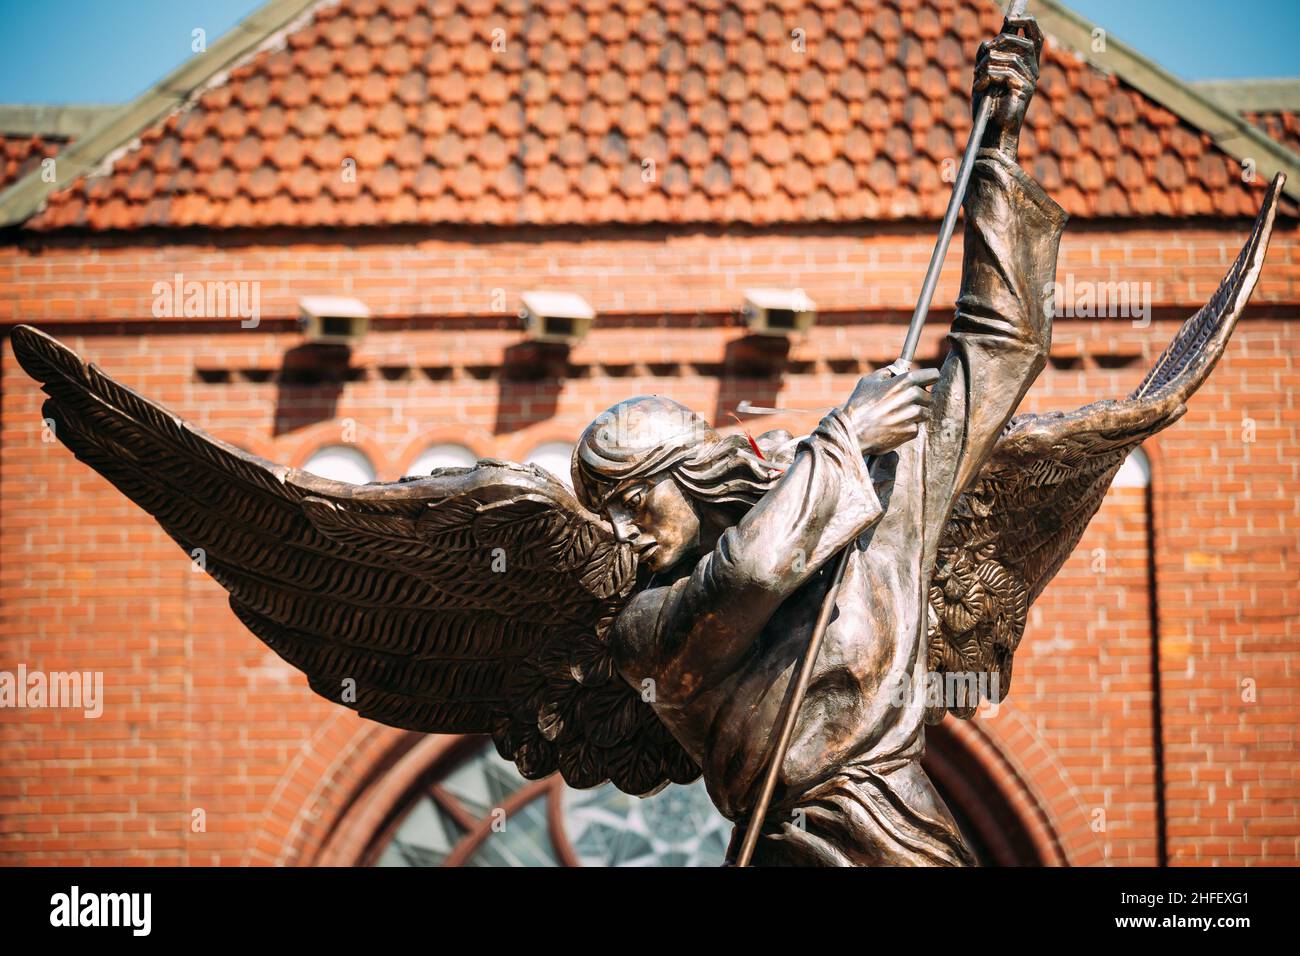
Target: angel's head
x,y
668,483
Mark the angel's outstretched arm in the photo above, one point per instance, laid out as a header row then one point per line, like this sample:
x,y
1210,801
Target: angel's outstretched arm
x,y
690,634
1002,331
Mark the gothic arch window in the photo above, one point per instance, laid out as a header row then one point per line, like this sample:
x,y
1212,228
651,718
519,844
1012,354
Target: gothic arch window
x,y
341,463
472,808
446,455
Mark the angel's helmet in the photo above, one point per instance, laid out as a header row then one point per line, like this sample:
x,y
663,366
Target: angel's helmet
x,y
663,476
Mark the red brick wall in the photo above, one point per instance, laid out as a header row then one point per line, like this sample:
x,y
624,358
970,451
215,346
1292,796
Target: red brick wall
x,y
201,715
53,279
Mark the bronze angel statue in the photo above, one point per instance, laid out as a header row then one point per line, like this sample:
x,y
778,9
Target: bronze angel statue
x,y
646,629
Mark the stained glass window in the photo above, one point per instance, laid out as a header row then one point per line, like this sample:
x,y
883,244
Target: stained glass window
x,y
473,808
481,812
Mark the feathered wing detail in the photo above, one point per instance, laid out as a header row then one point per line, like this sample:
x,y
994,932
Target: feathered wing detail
x,y
1027,508
472,601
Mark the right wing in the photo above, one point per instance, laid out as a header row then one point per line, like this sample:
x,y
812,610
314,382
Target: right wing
x,y
473,601
1020,519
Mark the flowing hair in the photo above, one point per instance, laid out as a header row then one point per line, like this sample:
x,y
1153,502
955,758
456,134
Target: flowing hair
x,y
727,472
724,472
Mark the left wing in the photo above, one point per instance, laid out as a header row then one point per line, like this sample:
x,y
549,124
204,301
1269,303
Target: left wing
x,y
1022,516
473,601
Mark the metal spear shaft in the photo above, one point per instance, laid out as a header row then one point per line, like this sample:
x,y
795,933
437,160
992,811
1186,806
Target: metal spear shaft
x,y
946,229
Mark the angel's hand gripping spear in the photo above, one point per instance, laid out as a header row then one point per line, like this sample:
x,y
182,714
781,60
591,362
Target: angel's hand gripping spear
x,y
998,65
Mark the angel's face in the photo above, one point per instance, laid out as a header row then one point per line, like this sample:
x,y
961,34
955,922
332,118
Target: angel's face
x,y
657,519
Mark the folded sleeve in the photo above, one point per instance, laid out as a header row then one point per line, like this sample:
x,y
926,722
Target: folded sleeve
x,y
1002,330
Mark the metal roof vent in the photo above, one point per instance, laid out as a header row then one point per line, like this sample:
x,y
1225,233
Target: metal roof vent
x,y
557,316
778,311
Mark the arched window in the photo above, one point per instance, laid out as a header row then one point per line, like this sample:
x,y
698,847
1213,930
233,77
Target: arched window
x,y
441,456
473,808
1135,472
556,457
341,463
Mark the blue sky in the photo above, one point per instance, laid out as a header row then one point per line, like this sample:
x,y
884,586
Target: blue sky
x,y
109,51
1206,39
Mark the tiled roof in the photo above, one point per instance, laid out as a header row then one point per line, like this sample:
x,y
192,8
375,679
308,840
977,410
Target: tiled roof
x,y
20,154
1282,126
557,112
